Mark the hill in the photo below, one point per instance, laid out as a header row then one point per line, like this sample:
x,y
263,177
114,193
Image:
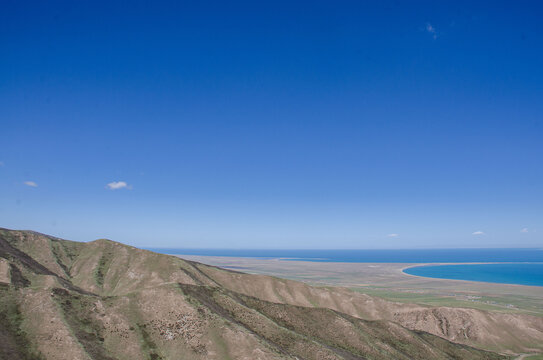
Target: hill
x,y
61,299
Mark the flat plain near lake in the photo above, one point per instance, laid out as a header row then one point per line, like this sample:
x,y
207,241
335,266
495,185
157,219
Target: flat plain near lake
x,y
387,280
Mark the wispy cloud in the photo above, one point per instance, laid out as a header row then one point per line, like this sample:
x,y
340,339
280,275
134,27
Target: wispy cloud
x,y
392,235
1,163
431,30
116,185
30,183
478,233
524,230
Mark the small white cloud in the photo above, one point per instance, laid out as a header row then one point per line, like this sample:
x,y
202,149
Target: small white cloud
x,y
392,235
116,185
30,183
1,163
478,233
432,30
525,230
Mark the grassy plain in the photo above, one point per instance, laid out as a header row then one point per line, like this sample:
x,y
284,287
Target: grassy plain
x,y
388,281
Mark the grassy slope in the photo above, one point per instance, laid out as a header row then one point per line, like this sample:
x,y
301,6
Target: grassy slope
x,y
114,301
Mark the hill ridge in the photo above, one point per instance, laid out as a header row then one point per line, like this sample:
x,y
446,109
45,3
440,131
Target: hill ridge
x,y
118,301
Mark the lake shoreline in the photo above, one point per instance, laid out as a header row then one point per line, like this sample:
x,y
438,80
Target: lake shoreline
x,y
526,273
388,280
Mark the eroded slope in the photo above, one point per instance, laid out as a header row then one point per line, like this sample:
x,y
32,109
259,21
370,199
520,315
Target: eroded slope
x,y
105,300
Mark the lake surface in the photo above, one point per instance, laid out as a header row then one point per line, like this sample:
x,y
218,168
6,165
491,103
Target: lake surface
x,y
521,274
517,273
374,256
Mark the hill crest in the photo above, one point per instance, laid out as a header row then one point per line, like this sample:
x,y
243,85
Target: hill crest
x,y
103,300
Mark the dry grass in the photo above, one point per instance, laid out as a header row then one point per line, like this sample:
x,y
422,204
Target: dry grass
x,y
104,300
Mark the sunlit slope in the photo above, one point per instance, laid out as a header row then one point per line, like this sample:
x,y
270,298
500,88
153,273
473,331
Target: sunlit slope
x,y
104,300
485,329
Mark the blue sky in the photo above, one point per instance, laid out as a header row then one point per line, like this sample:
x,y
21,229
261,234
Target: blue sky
x,y
274,124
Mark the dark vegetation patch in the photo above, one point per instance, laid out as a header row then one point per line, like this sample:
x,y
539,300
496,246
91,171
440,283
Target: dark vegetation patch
x,y
194,265
80,318
317,323
103,266
204,296
70,248
314,323
280,340
148,345
59,253
298,327
17,277
192,276
457,351
10,252
14,344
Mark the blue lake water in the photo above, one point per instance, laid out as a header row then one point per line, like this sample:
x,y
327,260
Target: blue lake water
x,y
375,256
521,274
517,273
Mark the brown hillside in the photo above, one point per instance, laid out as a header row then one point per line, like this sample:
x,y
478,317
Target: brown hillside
x,y
104,300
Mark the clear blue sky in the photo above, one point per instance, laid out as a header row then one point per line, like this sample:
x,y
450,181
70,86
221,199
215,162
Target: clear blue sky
x,y
362,124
